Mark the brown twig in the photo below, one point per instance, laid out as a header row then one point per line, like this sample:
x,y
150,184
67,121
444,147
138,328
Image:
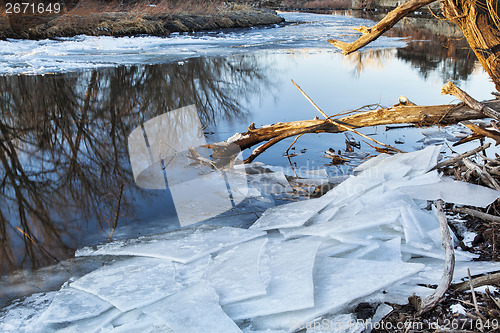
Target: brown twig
x,y
337,123
458,158
474,299
479,281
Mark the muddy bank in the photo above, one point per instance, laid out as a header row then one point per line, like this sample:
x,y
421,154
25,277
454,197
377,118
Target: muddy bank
x,y
126,24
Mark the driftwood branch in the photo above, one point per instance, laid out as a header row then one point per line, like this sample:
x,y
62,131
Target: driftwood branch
x,y
485,176
370,34
400,114
451,89
431,301
453,160
479,281
480,132
478,214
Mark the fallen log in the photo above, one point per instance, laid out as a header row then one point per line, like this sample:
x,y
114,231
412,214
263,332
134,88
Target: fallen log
x,y
400,114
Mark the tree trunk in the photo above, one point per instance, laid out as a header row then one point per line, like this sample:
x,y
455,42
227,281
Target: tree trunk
x,y
480,24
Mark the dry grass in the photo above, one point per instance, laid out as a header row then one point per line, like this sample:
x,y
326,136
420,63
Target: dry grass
x,y
94,17
149,8
328,4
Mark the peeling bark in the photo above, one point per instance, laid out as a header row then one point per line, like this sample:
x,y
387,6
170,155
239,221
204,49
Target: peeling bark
x,y
479,22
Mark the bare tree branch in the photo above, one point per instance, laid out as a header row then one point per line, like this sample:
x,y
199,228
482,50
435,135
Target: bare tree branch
x,y
370,34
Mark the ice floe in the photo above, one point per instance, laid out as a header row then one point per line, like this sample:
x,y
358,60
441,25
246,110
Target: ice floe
x,y
373,238
183,245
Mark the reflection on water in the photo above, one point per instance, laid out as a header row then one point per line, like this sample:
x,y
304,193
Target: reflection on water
x,y
63,138
63,145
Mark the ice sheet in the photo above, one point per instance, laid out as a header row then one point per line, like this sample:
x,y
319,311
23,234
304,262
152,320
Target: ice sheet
x,y
345,225
183,245
269,182
291,286
137,321
420,160
131,283
22,316
456,192
387,251
416,224
234,274
71,304
337,282
194,309
93,324
293,214
192,272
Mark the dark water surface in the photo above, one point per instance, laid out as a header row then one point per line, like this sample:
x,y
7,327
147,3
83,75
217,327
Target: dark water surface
x,y
63,137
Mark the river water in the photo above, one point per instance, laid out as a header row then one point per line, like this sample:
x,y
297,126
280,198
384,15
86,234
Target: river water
x,y
68,106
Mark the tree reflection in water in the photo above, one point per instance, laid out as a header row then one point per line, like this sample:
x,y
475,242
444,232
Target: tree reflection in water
x,y
449,58
63,144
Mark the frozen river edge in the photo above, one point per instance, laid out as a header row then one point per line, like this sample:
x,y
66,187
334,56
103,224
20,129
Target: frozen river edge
x,y
371,238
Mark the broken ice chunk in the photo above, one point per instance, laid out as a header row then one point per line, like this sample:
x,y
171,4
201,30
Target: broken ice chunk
x,y
294,214
345,225
416,224
91,325
183,245
136,321
194,309
234,274
456,192
71,304
291,286
387,251
457,309
363,251
339,281
420,161
22,316
131,283
192,272
270,182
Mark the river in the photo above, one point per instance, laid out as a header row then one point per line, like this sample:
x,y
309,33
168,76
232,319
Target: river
x,y
68,106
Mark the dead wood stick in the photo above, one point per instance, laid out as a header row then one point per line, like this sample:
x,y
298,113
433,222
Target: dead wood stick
x,y
431,301
455,159
479,281
370,34
478,214
260,149
347,128
451,89
486,177
474,299
419,115
481,132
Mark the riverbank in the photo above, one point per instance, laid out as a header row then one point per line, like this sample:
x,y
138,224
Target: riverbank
x,y
158,20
